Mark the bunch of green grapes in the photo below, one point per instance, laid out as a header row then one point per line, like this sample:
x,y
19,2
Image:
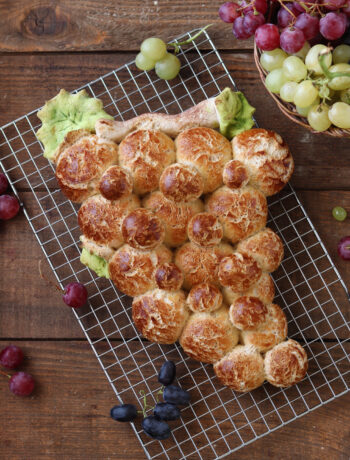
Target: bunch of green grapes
x,y
153,55
315,80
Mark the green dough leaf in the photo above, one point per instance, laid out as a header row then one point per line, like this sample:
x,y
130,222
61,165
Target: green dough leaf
x,y
96,263
67,112
235,113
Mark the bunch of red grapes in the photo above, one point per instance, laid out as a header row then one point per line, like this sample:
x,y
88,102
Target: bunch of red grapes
x,y
296,22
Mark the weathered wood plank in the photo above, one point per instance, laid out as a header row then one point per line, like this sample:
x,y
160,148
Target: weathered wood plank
x,y
33,309
69,414
86,25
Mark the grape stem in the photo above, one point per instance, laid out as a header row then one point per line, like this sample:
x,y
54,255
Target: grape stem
x,y
43,277
6,375
177,45
146,406
330,75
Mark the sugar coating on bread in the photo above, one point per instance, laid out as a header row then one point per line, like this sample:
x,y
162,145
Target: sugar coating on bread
x,y
168,276
204,297
115,183
263,289
142,229
239,272
82,158
200,264
100,219
286,364
269,333
266,157
146,153
175,216
205,230
235,174
242,211
247,313
242,369
207,337
265,247
207,150
160,315
180,182
133,270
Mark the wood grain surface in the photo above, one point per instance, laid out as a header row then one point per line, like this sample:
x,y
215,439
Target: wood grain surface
x,y
47,45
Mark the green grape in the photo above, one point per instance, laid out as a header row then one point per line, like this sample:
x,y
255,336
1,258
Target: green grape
x,y
339,83
311,59
288,90
339,213
318,117
144,63
294,69
153,48
303,52
168,67
305,94
339,114
303,111
271,60
345,96
275,80
341,54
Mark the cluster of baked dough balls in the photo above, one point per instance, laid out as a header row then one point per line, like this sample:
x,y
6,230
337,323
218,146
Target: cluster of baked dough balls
x,y
182,224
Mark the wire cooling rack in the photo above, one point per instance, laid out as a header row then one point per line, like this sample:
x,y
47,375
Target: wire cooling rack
x,y
308,285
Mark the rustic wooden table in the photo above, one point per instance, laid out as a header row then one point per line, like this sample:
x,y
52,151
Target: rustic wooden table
x,y
48,45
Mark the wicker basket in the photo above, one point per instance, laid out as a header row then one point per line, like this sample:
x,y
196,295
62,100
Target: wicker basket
x,y
289,110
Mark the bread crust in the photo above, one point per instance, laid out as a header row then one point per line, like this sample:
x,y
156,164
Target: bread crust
x,y
180,182
204,297
239,272
205,230
263,289
115,183
247,313
142,229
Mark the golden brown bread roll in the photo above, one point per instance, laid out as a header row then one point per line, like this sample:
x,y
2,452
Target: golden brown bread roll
x,y
205,229
269,333
160,315
81,159
263,289
181,183
235,174
207,150
169,277
115,183
132,270
207,337
204,297
175,216
265,247
200,265
242,369
267,158
286,364
100,219
242,211
239,272
142,229
247,313
145,154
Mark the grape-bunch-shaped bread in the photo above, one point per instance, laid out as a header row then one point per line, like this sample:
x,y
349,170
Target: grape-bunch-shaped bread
x,y
179,213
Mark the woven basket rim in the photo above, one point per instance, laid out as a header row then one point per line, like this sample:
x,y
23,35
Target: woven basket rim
x,y
289,109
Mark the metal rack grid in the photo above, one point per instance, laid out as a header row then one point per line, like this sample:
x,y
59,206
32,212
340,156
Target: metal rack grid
x,y
308,285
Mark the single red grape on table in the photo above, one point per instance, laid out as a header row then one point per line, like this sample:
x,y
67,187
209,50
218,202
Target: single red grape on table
x,y
21,384
11,357
9,207
344,248
75,295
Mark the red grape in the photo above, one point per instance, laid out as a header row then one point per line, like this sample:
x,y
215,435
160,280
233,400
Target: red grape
x,y
299,7
267,37
308,24
292,40
11,357
9,207
259,5
3,183
284,18
239,30
253,21
333,4
344,248
228,11
346,9
75,295
21,384
333,25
